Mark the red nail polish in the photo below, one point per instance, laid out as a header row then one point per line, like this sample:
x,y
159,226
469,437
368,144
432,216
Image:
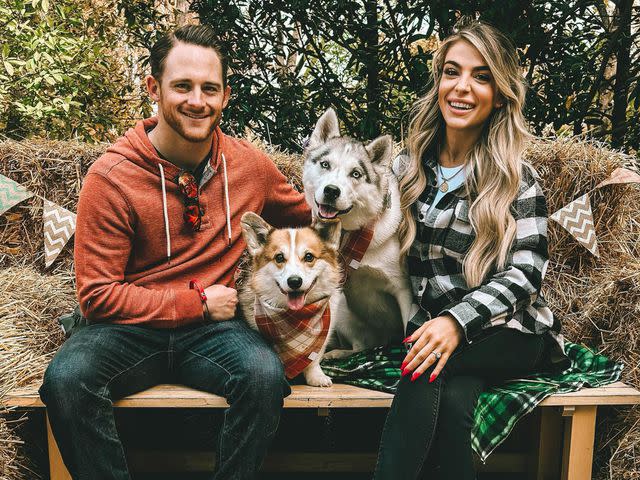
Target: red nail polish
x,y
405,372
404,364
432,377
406,339
415,376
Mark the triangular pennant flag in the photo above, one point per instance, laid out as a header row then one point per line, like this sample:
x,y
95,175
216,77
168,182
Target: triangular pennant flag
x,y
620,175
59,226
11,193
577,218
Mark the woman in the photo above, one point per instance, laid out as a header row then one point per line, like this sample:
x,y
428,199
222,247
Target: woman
x,y
474,229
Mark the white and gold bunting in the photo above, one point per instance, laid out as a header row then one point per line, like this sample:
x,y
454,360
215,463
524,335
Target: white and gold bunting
x,y
620,175
59,226
11,193
60,223
577,218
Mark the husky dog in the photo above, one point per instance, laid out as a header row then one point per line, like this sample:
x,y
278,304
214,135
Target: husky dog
x,y
285,293
346,179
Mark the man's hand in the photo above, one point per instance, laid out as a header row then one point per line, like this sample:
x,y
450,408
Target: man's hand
x,y
221,302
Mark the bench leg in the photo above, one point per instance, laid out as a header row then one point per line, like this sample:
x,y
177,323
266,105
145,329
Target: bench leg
x,y
57,469
545,461
579,435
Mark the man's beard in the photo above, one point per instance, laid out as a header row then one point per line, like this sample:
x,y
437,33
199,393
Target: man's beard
x,y
178,124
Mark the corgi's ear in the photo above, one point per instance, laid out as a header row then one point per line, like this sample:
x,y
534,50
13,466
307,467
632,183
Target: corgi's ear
x,y
381,150
255,231
327,127
329,232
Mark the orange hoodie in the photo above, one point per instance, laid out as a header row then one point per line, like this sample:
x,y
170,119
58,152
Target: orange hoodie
x,y
133,263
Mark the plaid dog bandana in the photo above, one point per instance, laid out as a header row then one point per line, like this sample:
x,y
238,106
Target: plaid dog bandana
x,y
499,408
353,247
297,335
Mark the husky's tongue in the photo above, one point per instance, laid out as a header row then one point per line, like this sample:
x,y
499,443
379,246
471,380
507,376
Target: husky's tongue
x,y
327,212
295,300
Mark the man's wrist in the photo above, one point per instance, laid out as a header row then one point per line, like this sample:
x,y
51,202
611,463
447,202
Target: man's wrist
x,y
205,311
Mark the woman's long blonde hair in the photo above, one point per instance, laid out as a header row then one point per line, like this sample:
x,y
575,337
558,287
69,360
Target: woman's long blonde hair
x,y
493,165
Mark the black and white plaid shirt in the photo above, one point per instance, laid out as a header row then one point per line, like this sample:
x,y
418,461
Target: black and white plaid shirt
x,y
510,297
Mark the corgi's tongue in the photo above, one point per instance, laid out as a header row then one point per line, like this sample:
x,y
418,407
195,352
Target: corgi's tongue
x,y
295,300
327,212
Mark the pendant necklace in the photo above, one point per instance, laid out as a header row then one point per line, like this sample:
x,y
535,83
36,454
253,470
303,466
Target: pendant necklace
x,y
444,186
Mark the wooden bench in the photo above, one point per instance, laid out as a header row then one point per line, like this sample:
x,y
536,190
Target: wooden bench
x,y
563,447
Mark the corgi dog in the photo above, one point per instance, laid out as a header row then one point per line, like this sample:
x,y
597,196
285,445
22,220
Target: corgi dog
x,y
352,181
286,291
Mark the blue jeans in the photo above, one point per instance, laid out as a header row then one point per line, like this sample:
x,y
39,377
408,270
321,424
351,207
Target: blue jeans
x,y
104,362
427,433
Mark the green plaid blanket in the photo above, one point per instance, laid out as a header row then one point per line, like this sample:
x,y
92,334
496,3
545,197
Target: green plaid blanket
x,y
498,409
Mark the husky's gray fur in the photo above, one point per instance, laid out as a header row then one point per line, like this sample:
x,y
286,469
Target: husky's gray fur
x,y
345,178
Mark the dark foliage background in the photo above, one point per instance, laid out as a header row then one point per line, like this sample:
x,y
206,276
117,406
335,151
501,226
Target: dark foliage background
x,y
73,68
371,59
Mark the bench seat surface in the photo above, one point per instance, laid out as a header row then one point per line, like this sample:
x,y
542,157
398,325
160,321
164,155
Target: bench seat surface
x,y
304,396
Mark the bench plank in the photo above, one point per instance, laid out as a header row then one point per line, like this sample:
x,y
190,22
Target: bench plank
x,y
304,396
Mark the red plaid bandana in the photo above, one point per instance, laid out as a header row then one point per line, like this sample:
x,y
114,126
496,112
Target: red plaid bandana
x,y
353,247
297,335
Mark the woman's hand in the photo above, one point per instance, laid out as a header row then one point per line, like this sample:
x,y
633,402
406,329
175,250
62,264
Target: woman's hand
x,y
440,335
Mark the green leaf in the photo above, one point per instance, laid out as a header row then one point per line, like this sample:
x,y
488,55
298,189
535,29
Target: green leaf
x,y
45,5
9,68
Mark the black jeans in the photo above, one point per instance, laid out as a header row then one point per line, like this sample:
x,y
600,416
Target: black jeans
x,y
427,433
103,362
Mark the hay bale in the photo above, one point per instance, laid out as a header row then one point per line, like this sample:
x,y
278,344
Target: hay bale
x,y
597,299
53,170
29,335
13,464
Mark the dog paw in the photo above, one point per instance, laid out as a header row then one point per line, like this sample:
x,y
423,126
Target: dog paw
x,y
318,379
337,354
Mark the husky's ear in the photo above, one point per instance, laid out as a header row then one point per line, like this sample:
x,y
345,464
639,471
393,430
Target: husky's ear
x,y
255,231
329,232
327,127
381,150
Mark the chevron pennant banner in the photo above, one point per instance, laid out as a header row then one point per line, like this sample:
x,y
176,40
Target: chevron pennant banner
x,y
59,226
11,193
577,218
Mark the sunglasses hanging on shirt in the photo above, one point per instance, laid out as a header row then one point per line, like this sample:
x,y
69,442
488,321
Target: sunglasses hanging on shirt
x,y
193,212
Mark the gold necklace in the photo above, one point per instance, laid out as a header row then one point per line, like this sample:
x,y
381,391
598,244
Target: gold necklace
x,y
444,186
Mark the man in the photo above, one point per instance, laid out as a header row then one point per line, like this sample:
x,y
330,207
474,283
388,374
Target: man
x,y
162,207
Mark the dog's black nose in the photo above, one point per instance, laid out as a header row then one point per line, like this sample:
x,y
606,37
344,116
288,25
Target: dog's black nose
x,y
331,192
294,282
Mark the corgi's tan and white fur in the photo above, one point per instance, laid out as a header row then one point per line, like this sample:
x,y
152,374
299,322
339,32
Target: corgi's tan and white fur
x,y
290,270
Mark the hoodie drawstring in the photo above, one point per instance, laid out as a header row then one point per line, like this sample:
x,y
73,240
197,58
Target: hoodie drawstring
x,y
166,215
226,198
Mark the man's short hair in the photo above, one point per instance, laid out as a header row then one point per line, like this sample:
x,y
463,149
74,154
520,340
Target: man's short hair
x,y
201,35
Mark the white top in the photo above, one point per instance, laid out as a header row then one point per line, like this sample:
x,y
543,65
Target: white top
x,y
454,183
